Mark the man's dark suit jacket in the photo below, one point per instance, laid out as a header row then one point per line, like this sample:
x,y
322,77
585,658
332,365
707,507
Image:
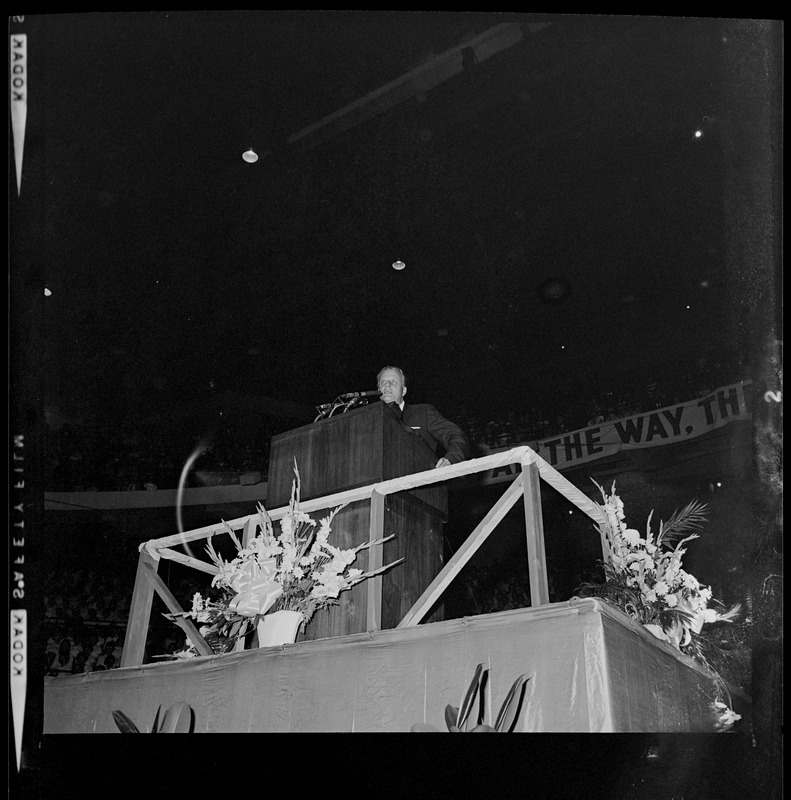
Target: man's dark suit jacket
x,y
435,430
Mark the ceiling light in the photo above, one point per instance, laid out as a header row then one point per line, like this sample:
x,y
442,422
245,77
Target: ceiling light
x,y
398,265
250,156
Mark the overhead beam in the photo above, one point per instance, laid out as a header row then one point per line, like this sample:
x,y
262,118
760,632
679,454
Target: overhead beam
x,y
439,69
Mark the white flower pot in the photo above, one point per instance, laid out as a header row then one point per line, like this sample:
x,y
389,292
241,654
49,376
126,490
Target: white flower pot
x,y
279,627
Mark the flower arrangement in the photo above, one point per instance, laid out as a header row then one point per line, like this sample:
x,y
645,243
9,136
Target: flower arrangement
x,y
643,576
297,570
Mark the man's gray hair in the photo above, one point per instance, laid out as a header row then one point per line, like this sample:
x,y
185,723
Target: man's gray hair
x,y
397,369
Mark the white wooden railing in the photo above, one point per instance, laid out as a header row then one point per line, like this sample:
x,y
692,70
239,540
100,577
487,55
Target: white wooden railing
x,y
526,485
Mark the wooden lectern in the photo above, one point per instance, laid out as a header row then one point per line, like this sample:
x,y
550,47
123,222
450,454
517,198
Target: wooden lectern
x,y
366,445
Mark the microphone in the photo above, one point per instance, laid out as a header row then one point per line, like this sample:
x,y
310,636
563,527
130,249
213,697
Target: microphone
x,y
352,395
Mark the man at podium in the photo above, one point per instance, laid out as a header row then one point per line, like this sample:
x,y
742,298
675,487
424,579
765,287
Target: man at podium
x,y
364,446
445,438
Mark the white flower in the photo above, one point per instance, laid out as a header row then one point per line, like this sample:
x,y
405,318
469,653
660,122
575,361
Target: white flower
x,y
695,602
671,600
632,537
690,581
346,557
188,652
321,540
650,596
641,558
261,547
661,588
286,528
726,717
328,585
671,570
225,575
710,615
289,557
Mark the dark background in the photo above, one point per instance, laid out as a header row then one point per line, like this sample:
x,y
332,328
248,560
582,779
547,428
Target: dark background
x,y
176,268
564,231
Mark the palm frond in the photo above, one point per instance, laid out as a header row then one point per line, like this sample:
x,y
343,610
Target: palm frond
x,y
469,698
125,725
689,518
509,711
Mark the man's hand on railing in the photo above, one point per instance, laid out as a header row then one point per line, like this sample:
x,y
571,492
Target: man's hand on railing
x,y
443,462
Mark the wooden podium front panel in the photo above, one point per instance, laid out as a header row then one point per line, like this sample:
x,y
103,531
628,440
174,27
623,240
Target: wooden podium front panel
x,y
349,529
418,538
335,454
363,446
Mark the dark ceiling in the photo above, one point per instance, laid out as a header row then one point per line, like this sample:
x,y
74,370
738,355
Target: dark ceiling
x,y
567,155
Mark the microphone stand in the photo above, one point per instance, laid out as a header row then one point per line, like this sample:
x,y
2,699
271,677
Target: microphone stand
x,y
326,410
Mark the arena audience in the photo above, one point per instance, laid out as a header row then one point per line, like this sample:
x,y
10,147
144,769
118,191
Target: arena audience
x,y
142,458
87,614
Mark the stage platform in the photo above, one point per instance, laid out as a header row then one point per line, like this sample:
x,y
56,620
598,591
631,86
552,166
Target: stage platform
x,y
591,669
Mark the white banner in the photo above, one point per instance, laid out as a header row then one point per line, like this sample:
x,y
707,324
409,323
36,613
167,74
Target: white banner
x,y
667,425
